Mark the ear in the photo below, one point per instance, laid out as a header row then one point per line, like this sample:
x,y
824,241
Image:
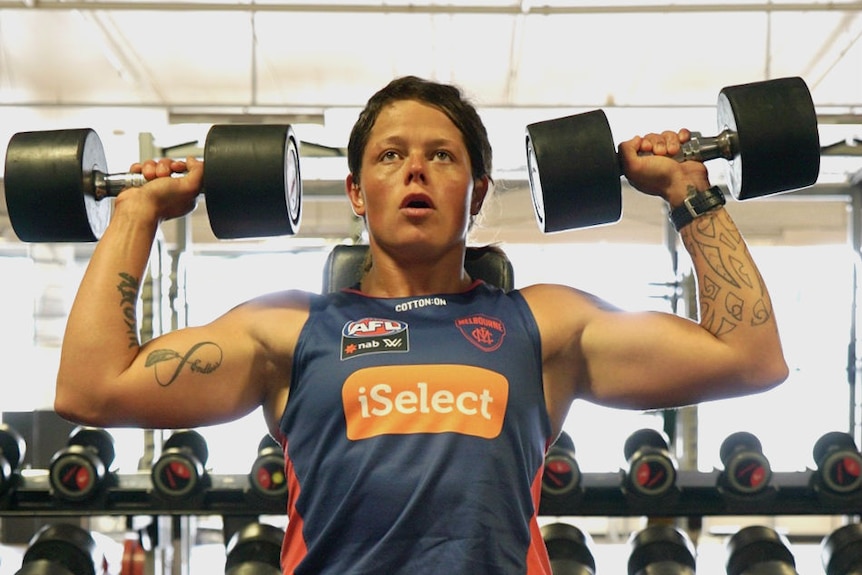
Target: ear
x,y
480,190
354,194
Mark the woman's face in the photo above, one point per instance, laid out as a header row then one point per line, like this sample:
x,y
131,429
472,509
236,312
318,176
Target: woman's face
x,y
417,187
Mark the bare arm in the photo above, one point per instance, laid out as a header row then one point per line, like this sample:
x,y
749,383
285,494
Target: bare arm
x,y
651,359
186,378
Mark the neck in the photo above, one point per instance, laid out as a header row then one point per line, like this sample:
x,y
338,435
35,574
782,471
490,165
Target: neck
x,y
389,277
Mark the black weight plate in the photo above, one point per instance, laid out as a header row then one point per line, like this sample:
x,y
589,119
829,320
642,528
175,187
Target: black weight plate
x,y
43,567
13,447
252,181
830,441
188,439
574,172
66,545
75,472
646,437
841,550
97,438
778,141
50,186
754,544
568,544
660,544
258,542
738,441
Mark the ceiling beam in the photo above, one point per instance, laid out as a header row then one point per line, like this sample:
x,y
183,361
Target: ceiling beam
x,y
500,9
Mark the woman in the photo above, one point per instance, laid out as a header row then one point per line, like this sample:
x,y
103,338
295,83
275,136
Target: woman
x,y
423,453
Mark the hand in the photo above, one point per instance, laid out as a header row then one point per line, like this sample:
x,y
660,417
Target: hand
x,y
172,186
649,166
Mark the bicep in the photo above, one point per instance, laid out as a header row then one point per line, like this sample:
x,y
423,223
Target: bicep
x,y
649,360
638,360
191,377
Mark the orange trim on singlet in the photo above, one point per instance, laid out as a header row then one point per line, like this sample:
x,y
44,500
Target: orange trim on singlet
x,y
538,562
293,549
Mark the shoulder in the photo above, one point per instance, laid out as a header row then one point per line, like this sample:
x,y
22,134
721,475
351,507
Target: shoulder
x,y
561,311
541,296
274,319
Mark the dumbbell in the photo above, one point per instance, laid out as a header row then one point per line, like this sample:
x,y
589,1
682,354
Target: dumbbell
x,y
841,551
759,550
768,134
839,464
651,469
77,471
57,182
267,476
562,474
568,549
62,549
179,471
746,469
254,549
661,550
13,448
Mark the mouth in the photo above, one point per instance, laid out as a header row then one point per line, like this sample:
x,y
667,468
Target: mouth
x,y
417,202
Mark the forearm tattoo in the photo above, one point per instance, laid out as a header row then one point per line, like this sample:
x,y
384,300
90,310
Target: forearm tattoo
x,y
203,358
128,288
731,290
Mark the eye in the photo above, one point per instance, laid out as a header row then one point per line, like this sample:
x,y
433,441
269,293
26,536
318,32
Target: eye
x,y
389,155
442,155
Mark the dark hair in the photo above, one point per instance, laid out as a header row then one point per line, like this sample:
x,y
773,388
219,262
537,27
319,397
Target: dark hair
x,y
447,98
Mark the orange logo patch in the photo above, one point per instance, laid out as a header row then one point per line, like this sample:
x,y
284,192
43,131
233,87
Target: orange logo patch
x,y
404,399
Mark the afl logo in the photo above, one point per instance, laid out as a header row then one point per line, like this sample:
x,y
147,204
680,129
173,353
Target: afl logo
x,y
373,335
372,327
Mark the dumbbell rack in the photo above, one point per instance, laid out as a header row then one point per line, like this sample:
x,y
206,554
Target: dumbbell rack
x,y
134,494
698,494
599,494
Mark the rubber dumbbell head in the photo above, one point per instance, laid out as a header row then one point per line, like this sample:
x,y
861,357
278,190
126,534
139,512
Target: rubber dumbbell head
x,y
13,449
746,469
255,549
839,463
267,476
62,548
841,551
651,469
661,549
562,474
180,470
569,549
77,471
758,549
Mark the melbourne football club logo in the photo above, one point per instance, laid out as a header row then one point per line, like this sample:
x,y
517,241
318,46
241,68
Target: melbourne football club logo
x,y
373,335
483,331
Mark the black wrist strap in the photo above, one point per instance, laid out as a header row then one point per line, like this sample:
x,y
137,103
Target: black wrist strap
x,y
696,205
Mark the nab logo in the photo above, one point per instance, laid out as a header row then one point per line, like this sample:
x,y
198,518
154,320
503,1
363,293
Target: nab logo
x,y
373,335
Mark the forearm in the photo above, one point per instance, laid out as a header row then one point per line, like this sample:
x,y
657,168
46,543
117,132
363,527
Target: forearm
x,y
734,303
101,338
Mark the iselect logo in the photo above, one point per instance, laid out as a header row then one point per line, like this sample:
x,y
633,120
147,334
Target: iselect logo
x,y
403,399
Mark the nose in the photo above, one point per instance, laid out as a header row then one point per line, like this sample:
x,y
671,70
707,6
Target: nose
x,y
416,169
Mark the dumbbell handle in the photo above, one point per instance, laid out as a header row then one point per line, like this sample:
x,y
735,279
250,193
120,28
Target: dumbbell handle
x,y
110,185
702,149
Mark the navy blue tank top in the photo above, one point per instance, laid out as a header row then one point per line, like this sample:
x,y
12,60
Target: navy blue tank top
x,y
414,437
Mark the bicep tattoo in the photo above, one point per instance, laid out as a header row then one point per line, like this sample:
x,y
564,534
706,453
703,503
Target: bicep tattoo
x,y
202,358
